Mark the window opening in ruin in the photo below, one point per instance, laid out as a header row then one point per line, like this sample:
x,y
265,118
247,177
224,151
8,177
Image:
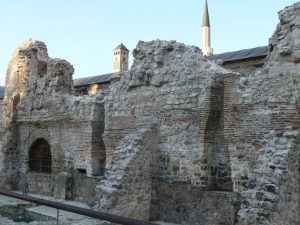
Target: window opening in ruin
x,y
271,48
82,171
40,157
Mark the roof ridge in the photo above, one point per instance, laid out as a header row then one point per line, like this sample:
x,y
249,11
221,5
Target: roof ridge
x,y
244,49
259,51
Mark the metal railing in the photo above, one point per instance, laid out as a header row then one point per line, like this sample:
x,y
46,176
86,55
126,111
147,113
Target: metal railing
x,y
75,209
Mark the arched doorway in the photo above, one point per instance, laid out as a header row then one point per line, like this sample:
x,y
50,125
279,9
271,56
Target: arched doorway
x,y
40,159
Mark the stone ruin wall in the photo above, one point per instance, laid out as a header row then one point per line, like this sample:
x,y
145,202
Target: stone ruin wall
x,y
216,131
176,97
186,140
39,104
264,109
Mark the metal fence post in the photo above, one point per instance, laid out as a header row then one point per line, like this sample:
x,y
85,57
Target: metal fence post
x,y
57,217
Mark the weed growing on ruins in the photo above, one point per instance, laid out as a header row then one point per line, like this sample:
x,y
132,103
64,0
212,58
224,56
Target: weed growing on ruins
x,y
23,218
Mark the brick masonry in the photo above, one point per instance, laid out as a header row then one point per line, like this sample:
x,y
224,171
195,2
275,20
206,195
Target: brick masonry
x,y
40,104
187,159
178,138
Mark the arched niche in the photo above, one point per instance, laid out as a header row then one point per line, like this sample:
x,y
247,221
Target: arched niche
x,y
39,157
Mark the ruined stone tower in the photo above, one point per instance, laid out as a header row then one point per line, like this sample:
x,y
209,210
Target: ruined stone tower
x,y
206,45
120,59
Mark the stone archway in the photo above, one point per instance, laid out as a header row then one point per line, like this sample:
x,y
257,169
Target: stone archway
x,y
39,157
40,175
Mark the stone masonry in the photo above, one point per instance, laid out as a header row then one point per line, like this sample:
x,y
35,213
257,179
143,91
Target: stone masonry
x,y
40,105
176,96
178,139
216,131
262,125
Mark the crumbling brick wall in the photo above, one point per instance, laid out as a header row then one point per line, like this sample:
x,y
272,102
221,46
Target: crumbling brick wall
x,y
262,129
40,104
173,88
217,130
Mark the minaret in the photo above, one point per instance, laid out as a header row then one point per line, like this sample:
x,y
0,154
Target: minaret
x,y
206,47
120,59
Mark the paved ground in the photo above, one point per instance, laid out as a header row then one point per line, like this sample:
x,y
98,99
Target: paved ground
x,y
41,214
45,215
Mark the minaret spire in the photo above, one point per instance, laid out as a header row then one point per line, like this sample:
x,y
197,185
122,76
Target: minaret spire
x,y
206,42
205,21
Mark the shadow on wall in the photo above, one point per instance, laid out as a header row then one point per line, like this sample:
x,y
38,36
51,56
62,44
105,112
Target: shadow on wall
x,y
216,160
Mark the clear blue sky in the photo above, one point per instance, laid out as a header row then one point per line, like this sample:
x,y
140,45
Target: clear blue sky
x,y
85,32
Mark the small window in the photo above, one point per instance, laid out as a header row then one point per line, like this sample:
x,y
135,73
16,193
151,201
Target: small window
x,y
82,171
271,48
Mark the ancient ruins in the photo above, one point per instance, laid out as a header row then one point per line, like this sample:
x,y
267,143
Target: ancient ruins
x,y
178,138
